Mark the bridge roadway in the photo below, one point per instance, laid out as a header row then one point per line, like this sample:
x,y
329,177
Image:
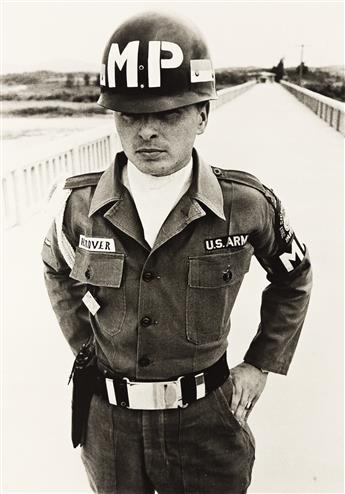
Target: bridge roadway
x,y
298,421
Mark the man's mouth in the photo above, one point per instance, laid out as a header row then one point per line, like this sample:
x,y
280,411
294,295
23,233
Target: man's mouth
x,y
150,152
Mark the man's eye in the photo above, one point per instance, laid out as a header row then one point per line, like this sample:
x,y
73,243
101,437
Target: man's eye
x,y
172,114
128,117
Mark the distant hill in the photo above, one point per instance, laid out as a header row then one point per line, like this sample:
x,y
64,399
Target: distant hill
x,y
41,81
332,69
84,86
44,85
40,76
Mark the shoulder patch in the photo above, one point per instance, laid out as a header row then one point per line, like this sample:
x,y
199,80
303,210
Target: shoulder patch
x,y
284,231
291,252
247,179
84,180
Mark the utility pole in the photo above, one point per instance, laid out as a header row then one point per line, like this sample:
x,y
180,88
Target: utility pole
x,y
301,66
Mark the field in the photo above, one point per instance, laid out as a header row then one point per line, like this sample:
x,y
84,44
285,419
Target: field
x,y
54,94
50,108
50,94
26,139
40,107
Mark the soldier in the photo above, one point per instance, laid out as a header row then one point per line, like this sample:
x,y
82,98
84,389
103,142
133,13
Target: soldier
x,y
143,265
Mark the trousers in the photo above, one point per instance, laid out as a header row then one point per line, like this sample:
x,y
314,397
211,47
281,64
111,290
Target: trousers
x,y
200,449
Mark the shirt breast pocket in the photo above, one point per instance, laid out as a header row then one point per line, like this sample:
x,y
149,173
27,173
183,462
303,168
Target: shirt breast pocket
x,y
105,273
213,284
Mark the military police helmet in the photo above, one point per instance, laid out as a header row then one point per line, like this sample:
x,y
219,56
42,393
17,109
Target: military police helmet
x,y
155,62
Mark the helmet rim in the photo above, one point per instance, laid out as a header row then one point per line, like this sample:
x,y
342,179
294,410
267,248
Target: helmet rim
x,y
130,103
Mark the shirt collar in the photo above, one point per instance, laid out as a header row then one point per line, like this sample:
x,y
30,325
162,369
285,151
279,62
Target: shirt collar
x,y
109,188
205,186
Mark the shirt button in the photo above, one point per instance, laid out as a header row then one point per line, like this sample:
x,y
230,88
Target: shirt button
x,y
144,362
227,275
148,276
146,321
88,273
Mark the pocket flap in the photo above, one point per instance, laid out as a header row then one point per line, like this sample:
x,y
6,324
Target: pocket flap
x,y
99,269
218,270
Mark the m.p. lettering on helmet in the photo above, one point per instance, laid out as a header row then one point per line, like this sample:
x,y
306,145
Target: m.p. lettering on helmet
x,y
130,56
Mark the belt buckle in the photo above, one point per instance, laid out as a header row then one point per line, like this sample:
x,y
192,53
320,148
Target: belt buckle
x,y
159,395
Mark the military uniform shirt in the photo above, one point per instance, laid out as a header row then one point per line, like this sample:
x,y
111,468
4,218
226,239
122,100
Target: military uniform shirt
x,y
165,311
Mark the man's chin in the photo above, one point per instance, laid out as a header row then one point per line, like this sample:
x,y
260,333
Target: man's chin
x,y
156,168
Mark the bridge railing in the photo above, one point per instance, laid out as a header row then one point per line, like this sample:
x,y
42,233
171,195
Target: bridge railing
x,y
328,109
226,95
25,186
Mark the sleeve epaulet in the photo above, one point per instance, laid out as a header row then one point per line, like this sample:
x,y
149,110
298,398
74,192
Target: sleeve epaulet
x,y
247,179
84,180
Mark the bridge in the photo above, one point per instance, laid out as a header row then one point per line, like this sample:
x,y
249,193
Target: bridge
x,y
297,423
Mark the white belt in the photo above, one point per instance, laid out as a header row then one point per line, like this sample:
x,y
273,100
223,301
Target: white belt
x,y
155,395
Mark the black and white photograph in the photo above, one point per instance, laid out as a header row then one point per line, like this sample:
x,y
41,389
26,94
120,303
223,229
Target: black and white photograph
x,y
172,262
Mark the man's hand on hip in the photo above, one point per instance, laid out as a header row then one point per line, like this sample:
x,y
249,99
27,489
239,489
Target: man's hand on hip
x,y
249,383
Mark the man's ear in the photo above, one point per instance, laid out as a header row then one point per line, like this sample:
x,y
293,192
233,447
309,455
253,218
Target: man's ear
x,y
203,110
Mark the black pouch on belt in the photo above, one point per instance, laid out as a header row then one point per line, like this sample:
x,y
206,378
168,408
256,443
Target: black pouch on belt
x,y
84,373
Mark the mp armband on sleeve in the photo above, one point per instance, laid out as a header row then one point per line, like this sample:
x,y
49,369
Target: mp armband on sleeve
x,y
291,251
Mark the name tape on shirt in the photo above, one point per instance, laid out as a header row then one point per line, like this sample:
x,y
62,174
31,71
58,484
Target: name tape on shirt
x,y
225,242
96,244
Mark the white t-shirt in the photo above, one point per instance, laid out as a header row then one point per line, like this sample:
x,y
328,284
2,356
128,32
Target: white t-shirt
x,y
155,197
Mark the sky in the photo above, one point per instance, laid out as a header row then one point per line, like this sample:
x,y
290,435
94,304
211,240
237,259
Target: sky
x,y
71,36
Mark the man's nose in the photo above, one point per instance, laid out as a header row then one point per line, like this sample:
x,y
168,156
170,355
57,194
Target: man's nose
x,y
148,127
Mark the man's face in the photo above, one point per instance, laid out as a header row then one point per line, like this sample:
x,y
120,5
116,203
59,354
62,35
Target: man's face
x,y
161,143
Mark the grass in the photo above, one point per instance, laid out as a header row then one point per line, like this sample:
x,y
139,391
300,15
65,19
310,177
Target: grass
x,y
68,95
78,95
57,111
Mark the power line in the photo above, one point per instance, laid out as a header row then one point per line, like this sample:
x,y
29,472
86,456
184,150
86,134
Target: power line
x,y
301,65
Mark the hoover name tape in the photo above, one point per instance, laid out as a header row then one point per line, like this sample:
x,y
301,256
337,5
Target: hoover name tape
x,y
95,244
226,242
